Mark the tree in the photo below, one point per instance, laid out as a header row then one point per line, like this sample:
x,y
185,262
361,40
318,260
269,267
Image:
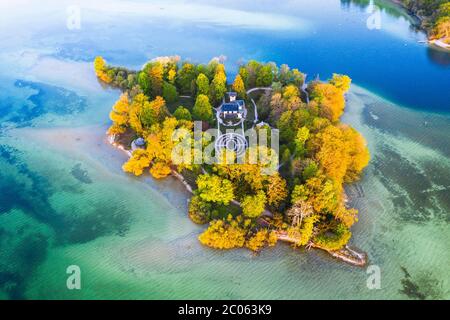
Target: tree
x,y
330,99
152,112
219,83
264,76
101,69
347,216
320,192
331,152
99,64
169,92
238,86
310,170
285,74
119,114
290,121
358,154
202,109
160,170
224,234
260,239
139,103
185,77
161,141
243,72
302,136
202,84
250,74
182,113
144,82
442,27
171,76
277,107
291,97
334,240
276,189
139,160
299,210
341,81
156,74
253,206
199,210
298,78
212,188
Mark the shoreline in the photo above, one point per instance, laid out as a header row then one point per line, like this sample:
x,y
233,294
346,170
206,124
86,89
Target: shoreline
x,y
355,257
433,43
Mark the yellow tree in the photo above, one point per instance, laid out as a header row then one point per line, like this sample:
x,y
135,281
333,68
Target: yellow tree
x,y
358,153
341,81
161,141
119,115
238,86
330,99
212,188
332,153
171,76
276,189
138,162
219,83
100,69
160,170
225,234
253,206
136,107
156,73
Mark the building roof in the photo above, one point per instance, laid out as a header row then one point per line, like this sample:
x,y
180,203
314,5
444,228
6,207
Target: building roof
x,y
139,142
231,106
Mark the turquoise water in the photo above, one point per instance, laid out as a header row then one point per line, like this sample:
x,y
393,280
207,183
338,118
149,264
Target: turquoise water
x,y
64,199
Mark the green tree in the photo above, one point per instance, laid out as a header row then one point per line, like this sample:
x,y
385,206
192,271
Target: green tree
x,y
144,82
302,136
169,92
185,77
182,113
243,72
264,77
202,109
310,170
202,84
153,112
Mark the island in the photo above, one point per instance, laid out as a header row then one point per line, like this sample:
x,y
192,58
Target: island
x,y
434,16
290,189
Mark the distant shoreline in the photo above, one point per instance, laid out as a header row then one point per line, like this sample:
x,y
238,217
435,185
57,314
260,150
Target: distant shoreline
x,y
432,42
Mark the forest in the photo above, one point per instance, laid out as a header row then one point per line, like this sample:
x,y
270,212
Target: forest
x,y
304,200
435,15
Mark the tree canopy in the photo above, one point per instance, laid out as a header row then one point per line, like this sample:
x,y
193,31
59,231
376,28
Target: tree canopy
x,y
202,109
297,190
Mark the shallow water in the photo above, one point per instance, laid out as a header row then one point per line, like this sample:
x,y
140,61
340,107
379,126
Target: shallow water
x,y
64,199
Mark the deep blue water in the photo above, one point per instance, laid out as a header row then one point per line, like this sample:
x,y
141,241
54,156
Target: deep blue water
x,y
318,37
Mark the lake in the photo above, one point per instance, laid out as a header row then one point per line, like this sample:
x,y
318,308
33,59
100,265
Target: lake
x,y
65,201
